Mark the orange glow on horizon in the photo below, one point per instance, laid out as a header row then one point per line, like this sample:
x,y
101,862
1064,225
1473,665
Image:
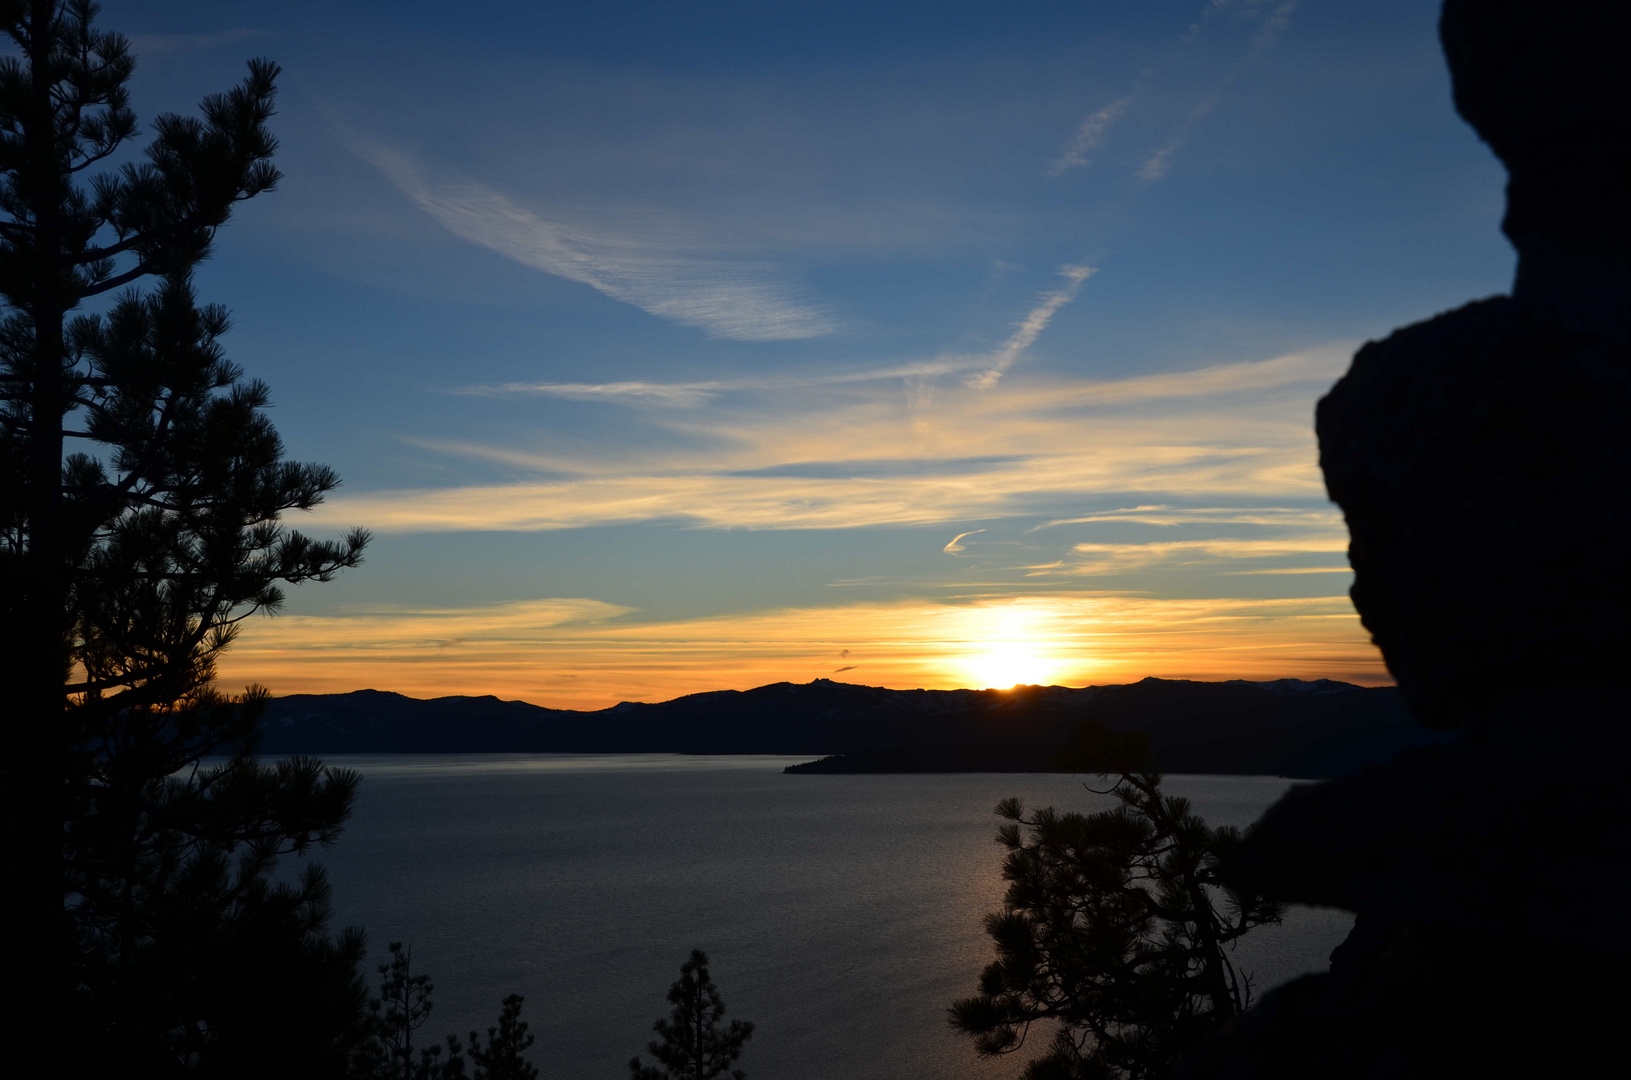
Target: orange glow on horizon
x,y
584,654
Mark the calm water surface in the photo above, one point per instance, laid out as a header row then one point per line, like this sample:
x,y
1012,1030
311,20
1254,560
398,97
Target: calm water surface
x,y
842,913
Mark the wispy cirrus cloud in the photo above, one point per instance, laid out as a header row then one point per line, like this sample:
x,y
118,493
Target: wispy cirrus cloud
x,y
1272,18
1312,366
674,395
1103,558
956,544
1308,368
861,454
693,394
918,376
411,626
1090,135
1268,20
1163,515
1158,163
737,299
1028,329
1275,19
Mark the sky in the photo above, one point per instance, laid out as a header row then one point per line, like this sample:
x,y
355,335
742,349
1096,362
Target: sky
x,y
677,347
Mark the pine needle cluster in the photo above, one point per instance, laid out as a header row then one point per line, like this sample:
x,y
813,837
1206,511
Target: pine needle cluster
x,y
1114,930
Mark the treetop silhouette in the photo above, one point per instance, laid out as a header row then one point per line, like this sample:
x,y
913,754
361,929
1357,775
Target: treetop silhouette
x,y
695,1043
402,1008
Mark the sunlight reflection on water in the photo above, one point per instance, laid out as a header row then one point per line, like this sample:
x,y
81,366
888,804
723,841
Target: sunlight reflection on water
x,y
843,913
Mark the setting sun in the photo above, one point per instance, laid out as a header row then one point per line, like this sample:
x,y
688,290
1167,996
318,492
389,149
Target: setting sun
x,y
1007,666
1012,647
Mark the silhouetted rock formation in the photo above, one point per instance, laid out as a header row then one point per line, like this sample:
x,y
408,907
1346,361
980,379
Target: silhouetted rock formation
x,y
1476,455
1482,459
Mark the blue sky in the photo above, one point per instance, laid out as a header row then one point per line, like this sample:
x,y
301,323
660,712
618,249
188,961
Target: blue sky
x,y
670,347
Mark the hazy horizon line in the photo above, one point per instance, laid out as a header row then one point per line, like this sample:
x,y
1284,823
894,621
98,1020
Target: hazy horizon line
x,y
1360,681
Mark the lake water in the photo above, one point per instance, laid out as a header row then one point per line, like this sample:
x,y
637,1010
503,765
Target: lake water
x,y
842,914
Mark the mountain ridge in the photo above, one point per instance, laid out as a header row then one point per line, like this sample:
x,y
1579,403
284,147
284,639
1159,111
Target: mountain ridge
x,y
1284,726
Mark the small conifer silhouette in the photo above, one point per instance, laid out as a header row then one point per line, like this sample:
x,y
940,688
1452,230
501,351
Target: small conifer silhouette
x,y
695,1043
500,1058
402,1007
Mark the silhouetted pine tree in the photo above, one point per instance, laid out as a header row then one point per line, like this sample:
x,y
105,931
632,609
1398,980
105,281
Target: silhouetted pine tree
x,y
1115,926
125,567
402,1008
695,1045
499,1058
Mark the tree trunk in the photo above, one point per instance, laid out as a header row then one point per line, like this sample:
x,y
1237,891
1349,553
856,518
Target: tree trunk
x,y
37,787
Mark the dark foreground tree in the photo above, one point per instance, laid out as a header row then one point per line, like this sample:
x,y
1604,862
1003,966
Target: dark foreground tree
x,y
500,1056
402,1008
695,1044
125,567
1114,928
